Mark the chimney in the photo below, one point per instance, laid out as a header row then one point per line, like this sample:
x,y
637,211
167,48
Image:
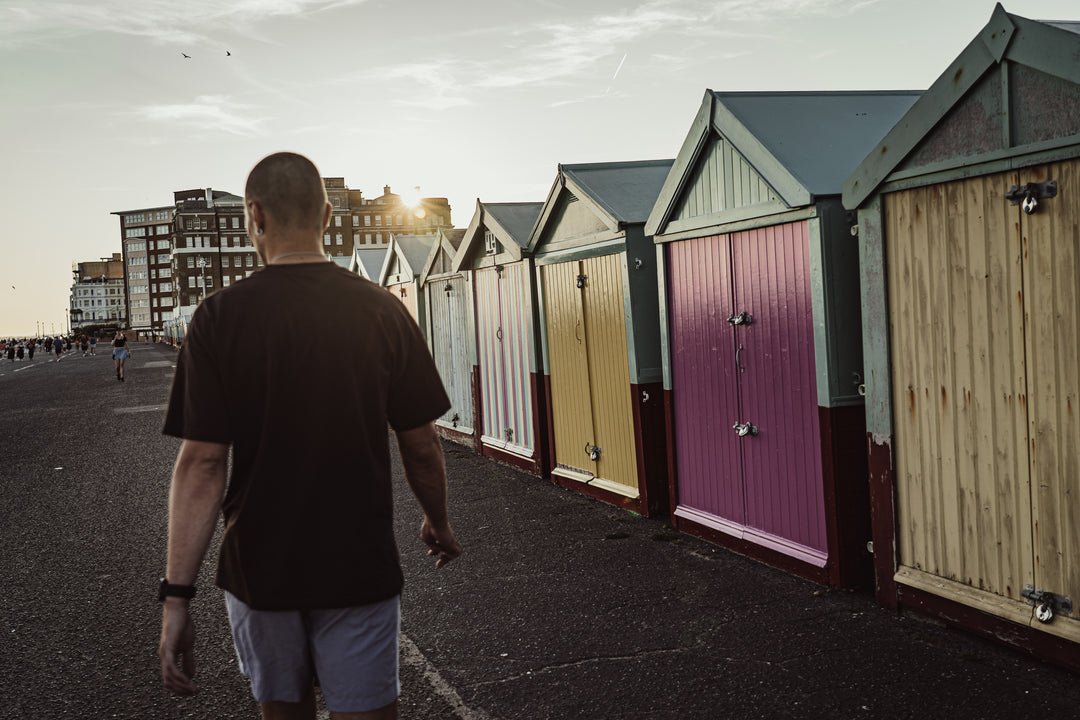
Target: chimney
x,y
209,198
386,190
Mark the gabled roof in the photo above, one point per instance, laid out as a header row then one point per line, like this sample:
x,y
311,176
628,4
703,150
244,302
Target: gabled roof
x,y
802,144
511,224
411,250
1049,47
620,193
368,261
449,240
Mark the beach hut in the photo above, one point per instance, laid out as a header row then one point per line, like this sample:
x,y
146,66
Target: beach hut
x,y
367,262
400,272
601,332
495,253
969,230
450,333
762,362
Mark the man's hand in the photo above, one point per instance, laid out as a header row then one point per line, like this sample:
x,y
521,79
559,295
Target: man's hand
x,y
177,648
441,542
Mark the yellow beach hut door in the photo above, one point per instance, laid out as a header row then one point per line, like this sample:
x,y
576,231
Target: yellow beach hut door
x,y
590,377
984,312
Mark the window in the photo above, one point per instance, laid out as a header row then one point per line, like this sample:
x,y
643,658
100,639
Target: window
x,y
326,238
337,238
367,220
225,281
166,302
224,261
163,258
378,237
397,220
378,219
367,238
191,281
337,221
166,287
191,262
236,223
153,287
356,220
162,230
141,260
249,261
356,238
165,272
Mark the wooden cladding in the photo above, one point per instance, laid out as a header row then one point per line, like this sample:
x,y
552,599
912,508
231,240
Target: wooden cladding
x,y
984,320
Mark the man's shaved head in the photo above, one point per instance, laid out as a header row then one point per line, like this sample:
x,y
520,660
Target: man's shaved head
x,y
290,191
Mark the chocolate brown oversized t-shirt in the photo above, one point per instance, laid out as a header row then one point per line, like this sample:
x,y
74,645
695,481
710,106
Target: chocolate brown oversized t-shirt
x,y
301,368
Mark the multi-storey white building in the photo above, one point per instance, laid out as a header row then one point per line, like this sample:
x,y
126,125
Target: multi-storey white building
x,y
97,295
147,244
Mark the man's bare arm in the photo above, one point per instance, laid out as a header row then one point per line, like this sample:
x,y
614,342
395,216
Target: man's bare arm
x,y
425,472
198,485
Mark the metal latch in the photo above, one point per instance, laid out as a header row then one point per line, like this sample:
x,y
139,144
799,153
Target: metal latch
x,y
744,429
1028,196
743,318
454,420
581,280
594,452
1046,603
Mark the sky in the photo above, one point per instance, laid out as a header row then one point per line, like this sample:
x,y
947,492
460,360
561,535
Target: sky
x,y
101,112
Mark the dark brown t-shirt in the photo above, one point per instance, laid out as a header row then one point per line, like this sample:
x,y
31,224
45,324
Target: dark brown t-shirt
x,y
308,511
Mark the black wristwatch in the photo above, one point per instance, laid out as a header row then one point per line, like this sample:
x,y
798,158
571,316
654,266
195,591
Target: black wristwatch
x,y
182,591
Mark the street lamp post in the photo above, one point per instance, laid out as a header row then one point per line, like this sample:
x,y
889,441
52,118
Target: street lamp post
x,y
201,262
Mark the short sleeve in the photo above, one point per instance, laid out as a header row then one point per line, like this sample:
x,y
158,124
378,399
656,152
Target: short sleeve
x,y
197,399
416,395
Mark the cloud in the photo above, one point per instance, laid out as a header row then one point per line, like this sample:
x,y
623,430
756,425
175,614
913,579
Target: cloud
x,y
207,112
166,21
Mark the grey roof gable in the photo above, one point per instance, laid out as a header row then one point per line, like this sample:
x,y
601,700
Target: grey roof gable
x,y
517,219
625,190
819,137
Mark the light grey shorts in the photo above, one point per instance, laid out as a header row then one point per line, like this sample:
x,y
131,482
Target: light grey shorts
x,y
120,353
353,652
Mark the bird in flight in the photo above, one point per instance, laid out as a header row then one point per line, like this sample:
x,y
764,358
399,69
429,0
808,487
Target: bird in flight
x,y
228,54
186,55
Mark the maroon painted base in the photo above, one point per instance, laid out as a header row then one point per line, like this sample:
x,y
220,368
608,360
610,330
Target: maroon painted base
x,y
530,465
460,437
753,550
1029,641
635,505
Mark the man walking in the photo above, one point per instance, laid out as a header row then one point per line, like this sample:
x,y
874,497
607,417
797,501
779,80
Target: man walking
x,y
308,560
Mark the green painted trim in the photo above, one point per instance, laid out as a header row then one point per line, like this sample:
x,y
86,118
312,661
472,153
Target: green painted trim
x,y
917,123
546,211
665,327
535,336
759,158
819,302
749,212
1046,48
468,243
541,316
1059,149
628,320
803,213
685,162
579,250
875,319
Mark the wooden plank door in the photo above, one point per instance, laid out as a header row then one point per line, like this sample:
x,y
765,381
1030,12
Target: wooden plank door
x,y
604,311
957,351
1051,243
515,338
708,460
568,364
492,378
777,384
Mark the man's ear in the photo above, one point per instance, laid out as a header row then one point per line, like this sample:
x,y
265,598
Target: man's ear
x,y
328,210
256,215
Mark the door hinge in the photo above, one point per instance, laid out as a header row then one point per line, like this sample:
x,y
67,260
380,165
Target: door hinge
x,y
1046,603
1029,195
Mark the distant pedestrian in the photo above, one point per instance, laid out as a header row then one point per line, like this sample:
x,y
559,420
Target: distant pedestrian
x,y
120,354
30,348
11,351
58,346
20,350
84,343
93,345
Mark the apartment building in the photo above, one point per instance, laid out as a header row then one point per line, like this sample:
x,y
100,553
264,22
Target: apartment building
x,y
146,238
359,222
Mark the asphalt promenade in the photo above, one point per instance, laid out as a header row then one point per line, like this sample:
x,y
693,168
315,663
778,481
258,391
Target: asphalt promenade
x,y
561,606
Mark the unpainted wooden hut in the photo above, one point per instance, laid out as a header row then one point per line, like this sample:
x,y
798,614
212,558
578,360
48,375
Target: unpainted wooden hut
x,y
969,228
400,272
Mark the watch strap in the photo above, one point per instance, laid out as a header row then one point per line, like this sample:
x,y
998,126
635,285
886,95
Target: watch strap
x,y
167,589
